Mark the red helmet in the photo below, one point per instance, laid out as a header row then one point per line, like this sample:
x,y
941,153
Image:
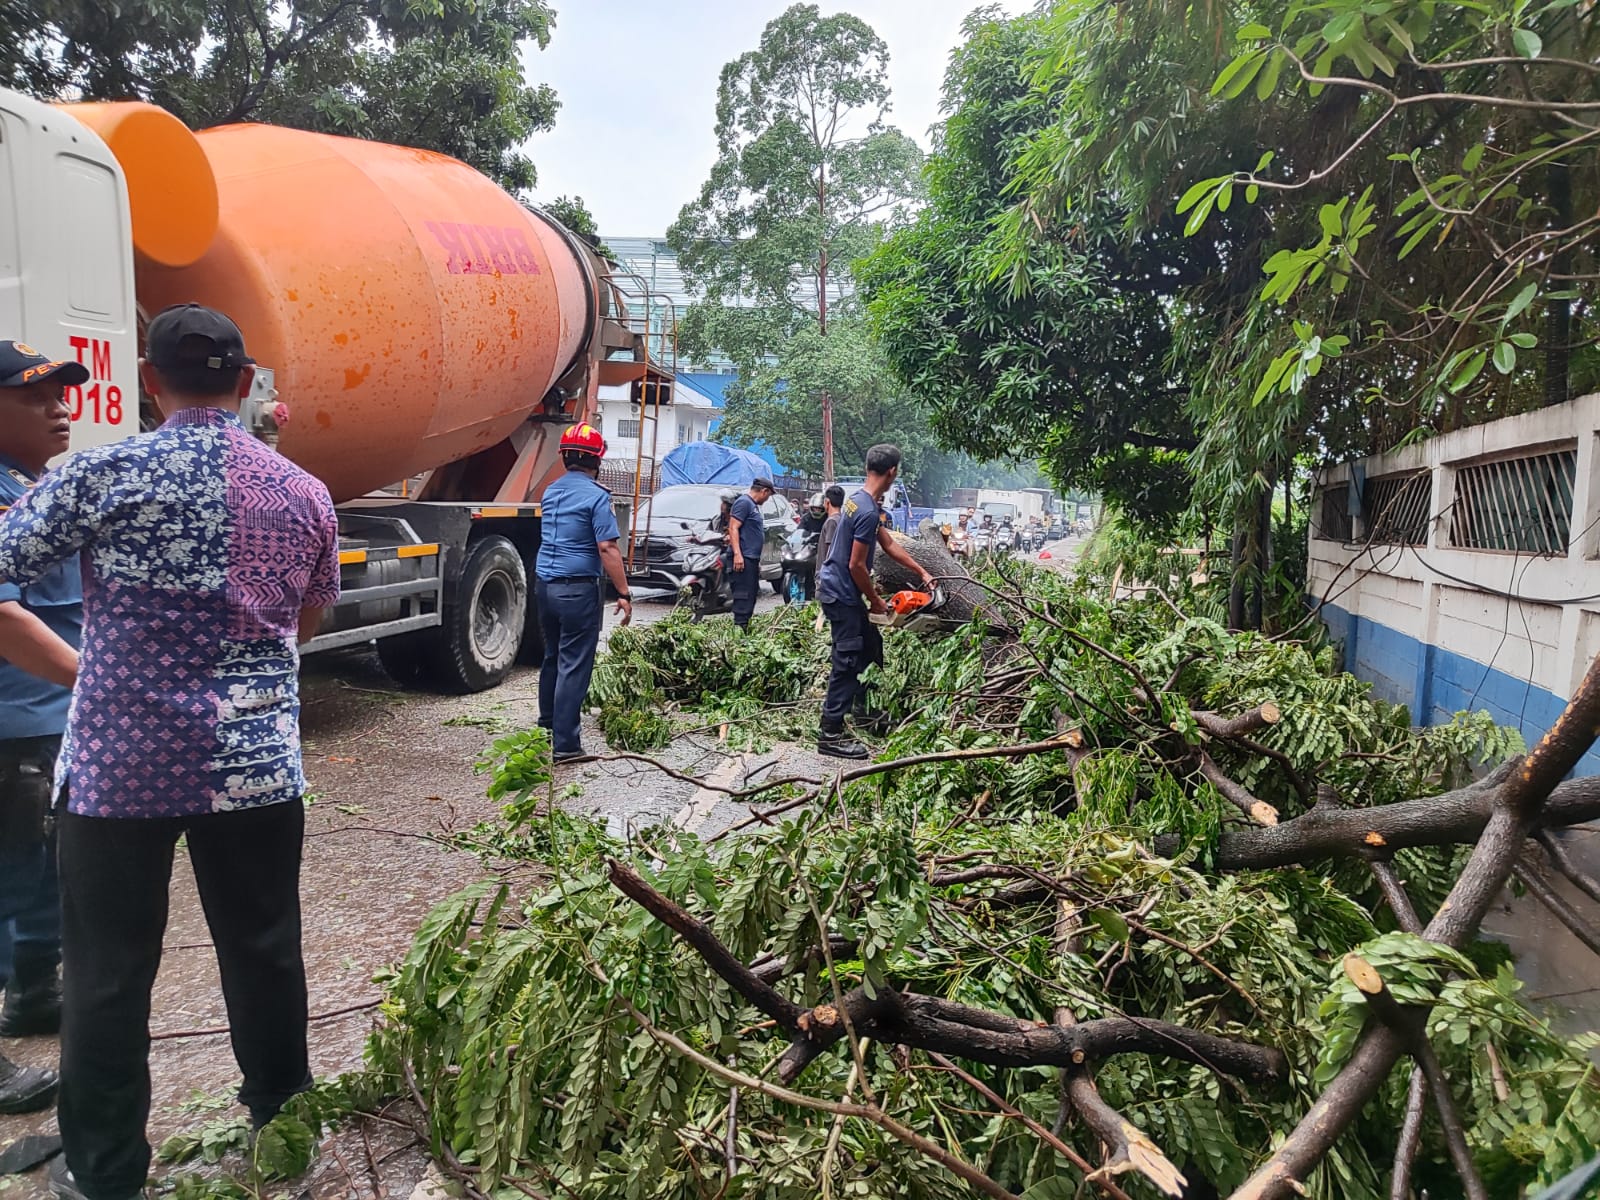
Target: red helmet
x,y
585,439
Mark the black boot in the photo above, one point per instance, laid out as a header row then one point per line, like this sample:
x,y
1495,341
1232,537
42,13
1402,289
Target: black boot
x,y
33,1000
25,1089
836,743
64,1184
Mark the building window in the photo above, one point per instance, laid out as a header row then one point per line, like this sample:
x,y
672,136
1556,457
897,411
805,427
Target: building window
x,y
683,433
628,429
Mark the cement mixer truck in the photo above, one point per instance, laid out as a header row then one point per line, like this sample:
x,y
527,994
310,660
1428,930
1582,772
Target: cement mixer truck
x,y
422,339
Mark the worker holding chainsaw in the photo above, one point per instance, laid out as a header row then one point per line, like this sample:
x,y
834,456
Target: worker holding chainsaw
x,y
848,595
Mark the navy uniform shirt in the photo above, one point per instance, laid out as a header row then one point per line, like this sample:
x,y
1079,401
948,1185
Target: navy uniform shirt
x,y
858,522
575,516
30,706
752,528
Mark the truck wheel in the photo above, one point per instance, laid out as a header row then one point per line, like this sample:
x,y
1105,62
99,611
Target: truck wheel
x,y
484,615
404,657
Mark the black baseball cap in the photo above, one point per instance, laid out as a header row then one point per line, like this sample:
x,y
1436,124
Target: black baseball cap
x,y
192,335
21,364
764,483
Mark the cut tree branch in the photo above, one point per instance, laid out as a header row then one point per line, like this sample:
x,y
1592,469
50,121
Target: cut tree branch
x,y
929,1023
1453,818
1518,805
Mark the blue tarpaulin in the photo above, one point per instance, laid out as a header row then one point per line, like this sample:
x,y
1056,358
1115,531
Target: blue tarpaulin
x,y
712,462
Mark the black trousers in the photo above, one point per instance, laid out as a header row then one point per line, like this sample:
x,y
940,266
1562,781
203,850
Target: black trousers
x,y
857,644
115,875
744,585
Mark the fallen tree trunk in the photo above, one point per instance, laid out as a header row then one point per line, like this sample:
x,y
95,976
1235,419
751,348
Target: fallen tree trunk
x,y
964,599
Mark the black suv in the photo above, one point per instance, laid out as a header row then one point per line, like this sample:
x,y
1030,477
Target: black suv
x,y
669,519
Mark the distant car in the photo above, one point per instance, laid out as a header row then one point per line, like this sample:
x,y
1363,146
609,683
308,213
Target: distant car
x,y
669,520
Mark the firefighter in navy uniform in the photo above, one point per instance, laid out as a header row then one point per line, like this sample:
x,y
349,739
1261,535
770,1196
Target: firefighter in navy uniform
x,y
844,582
40,625
578,546
746,536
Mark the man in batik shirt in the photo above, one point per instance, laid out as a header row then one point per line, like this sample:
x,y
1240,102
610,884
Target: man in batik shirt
x,y
206,558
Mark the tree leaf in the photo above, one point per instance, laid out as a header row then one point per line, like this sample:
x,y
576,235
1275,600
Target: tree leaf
x,y
1505,358
1268,82
1469,369
1192,197
1111,923
284,1147
1528,43
1331,218
1519,303
1236,76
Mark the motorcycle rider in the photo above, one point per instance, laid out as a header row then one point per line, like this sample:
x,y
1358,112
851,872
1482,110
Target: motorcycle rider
x,y
815,515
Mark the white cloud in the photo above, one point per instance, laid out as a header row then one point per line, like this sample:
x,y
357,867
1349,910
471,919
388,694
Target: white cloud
x,y
638,84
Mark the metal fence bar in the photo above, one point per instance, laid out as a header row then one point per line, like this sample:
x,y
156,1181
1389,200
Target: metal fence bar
x,y
1522,504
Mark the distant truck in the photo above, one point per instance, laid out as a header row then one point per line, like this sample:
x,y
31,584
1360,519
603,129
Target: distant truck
x,y
1022,504
422,340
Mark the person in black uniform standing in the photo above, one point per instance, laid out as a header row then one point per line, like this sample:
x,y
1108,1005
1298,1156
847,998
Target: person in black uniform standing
x,y
845,582
747,532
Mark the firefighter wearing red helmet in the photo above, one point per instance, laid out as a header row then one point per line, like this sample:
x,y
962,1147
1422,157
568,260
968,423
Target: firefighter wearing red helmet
x,y
578,545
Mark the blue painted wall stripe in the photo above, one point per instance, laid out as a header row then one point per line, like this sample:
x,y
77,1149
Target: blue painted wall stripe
x,y
1435,683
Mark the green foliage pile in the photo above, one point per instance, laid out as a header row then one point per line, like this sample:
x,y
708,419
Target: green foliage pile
x,y
510,1013
721,674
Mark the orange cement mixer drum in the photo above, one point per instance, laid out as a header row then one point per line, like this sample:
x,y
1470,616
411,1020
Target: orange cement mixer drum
x,y
412,311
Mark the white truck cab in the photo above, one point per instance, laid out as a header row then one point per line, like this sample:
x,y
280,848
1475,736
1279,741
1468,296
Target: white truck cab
x,y
66,261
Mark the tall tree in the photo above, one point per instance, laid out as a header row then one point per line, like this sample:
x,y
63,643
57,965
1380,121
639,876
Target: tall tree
x,y
443,75
807,175
1063,352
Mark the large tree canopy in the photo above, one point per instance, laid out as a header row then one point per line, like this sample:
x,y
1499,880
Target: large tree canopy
x,y
807,177
444,75
1292,231
1065,350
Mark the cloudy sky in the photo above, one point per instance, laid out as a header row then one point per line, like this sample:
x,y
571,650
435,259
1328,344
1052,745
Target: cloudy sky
x,y
638,85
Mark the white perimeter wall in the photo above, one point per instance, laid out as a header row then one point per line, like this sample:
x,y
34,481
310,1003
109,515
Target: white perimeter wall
x,y
1441,595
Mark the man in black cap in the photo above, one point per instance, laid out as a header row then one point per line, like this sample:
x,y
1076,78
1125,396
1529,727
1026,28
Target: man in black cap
x,y
40,625
747,532
212,555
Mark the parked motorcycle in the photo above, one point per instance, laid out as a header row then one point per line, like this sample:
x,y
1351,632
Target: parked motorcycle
x,y
705,581
799,582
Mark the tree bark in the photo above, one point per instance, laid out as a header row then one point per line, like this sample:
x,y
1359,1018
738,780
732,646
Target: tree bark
x,y
964,599
1453,818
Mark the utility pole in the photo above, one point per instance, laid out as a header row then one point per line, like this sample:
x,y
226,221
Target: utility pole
x,y
822,318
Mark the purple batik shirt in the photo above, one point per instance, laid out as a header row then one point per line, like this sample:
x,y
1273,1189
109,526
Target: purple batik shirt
x,y
200,546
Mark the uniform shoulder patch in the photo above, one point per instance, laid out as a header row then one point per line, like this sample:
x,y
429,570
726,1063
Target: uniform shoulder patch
x,y
850,506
